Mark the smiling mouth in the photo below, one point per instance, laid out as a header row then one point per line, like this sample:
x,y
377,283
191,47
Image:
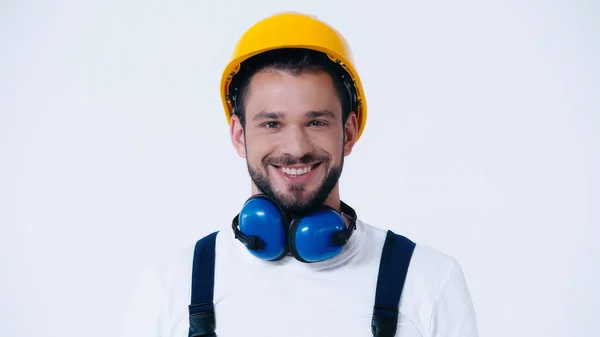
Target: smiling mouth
x,y
297,171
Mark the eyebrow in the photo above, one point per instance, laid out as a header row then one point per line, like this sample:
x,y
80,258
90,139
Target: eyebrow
x,y
268,115
280,115
321,113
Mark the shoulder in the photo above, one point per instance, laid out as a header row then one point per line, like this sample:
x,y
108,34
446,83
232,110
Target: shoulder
x,y
170,277
427,262
174,271
161,292
449,303
434,274
157,290
438,289
433,264
435,296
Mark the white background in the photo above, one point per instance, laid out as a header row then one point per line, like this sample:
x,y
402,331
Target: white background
x,y
482,140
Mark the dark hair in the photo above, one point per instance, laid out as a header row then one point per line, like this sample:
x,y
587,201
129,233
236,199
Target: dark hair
x,y
293,61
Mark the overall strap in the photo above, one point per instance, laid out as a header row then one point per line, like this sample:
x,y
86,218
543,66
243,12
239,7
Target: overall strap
x,y
395,259
202,314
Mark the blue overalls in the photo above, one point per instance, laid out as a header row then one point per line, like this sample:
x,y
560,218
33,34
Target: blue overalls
x,y
395,259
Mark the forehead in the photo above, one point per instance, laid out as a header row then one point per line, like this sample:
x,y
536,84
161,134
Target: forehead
x,y
291,94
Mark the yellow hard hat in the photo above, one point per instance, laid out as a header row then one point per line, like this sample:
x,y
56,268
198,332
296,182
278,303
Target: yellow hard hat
x,y
296,30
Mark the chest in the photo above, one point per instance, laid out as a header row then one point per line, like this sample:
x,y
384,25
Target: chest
x,y
295,304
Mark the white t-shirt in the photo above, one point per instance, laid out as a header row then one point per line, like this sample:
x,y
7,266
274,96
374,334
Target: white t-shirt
x,y
288,298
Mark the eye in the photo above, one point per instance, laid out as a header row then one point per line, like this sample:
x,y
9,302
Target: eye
x,y
317,123
270,125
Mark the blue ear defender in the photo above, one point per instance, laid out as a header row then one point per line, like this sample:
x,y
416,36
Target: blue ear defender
x,y
269,233
261,227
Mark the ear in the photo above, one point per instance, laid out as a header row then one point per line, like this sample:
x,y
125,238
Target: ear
x,y
351,131
236,132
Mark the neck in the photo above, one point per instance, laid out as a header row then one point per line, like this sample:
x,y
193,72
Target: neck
x,y
333,199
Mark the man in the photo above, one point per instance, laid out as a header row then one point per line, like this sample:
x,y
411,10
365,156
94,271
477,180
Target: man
x,y
297,261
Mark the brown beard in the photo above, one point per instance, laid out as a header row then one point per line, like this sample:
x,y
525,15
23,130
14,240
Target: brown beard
x,y
297,201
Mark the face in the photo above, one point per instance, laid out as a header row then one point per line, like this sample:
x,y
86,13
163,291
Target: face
x,y
294,140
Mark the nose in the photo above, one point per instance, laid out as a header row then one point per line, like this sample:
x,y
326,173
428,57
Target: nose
x,y
296,142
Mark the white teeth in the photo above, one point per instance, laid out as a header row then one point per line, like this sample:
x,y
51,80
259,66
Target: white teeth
x,y
296,171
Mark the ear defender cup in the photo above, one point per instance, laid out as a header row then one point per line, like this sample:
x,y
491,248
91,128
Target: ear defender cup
x,y
312,238
263,228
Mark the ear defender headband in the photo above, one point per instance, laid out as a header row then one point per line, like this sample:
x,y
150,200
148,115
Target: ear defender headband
x,y
269,233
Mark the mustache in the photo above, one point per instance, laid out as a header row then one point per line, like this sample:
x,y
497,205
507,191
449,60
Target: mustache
x,y
291,160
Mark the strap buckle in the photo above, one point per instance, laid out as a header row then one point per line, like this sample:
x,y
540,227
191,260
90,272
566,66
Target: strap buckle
x,y
202,324
383,325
